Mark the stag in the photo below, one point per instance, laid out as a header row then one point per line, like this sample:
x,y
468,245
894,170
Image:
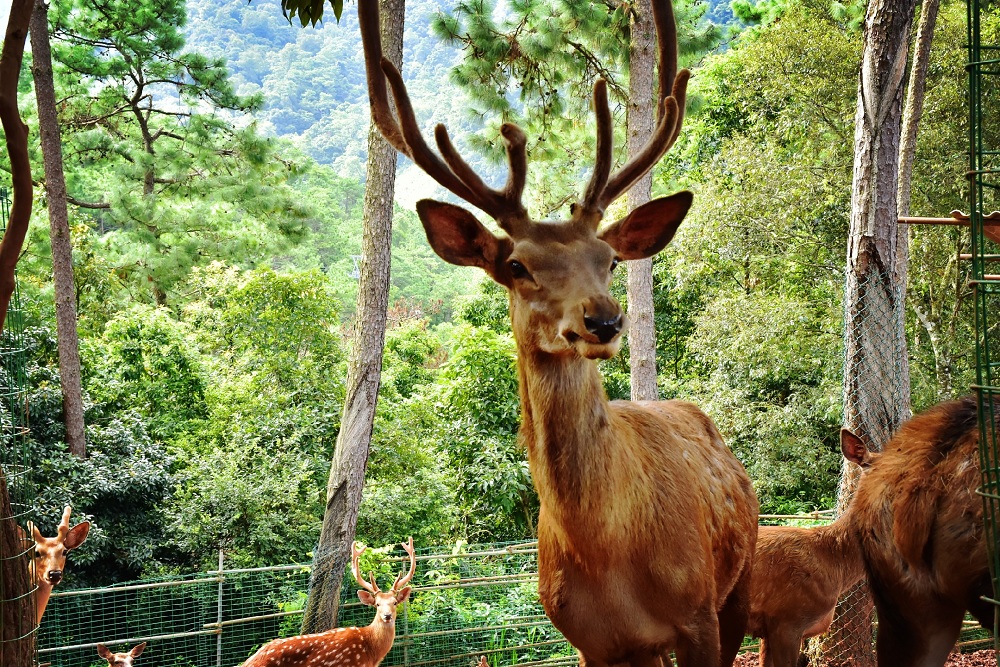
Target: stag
x,y
49,557
346,647
648,521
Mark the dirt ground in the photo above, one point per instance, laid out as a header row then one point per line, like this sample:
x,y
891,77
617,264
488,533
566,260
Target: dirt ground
x,y
976,659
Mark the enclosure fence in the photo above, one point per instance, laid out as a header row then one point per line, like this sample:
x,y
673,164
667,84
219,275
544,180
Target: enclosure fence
x,y
467,601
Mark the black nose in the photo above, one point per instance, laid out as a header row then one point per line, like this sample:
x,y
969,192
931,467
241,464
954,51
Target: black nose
x,y
55,576
605,330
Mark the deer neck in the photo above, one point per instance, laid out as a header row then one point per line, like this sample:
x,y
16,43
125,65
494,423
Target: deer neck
x,y
43,591
842,550
380,638
565,418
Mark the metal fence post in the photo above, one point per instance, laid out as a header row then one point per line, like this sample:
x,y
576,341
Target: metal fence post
x,y
218,618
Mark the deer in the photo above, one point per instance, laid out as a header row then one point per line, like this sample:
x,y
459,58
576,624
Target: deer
x,y
346,647
918,520
800,573
49,557
120,659
647,521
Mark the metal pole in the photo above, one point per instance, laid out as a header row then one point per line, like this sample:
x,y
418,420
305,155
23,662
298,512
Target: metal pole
x,y
218,637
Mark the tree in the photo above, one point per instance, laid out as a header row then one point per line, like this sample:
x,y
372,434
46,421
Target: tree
x,y
350,458
59,236
876,373
17,646
183,184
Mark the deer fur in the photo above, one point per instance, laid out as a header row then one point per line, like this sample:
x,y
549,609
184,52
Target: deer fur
x,y
49,557
120,659
800,573
919,523
345,647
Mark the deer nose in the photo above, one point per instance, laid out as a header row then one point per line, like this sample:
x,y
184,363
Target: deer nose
x,y
55,576
386,617
604,328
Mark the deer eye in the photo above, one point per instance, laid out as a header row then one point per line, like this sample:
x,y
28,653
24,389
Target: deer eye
x,y
614,264
518,271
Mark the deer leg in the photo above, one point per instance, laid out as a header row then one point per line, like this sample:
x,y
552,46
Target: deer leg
x,y
905,641
733,619
700,646
781,649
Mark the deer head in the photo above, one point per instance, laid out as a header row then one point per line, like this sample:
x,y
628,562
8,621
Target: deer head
x,y
120,659
50,552
385,602
556,272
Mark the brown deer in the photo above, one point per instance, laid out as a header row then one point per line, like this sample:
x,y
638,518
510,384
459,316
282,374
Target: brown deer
x,y
648,521
120,659
345,647
800,573
49,557
919,523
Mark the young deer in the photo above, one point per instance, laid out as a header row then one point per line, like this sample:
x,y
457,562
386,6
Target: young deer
x,y
919,523
120,659
49,557
345,647
648,521
800,573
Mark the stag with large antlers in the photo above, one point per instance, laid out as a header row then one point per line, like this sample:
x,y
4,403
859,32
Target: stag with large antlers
x,y
346,647
648,522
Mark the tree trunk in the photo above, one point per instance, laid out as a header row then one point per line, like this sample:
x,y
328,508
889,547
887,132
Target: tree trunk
x,y
642,325
876,372
17,642
347,471
62,248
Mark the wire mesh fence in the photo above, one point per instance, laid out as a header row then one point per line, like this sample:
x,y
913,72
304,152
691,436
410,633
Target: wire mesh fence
x,y
16,592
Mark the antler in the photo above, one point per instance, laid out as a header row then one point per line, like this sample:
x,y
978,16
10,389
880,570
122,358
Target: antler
x,y
63,529
402,131
371,586
602,190
400,579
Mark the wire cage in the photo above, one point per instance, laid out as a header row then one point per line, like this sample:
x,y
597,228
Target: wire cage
x,y
984,200
15,482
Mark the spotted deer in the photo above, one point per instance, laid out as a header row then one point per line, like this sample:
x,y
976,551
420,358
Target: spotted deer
x,y
647,523
120,659
918,519
49,557
346,647
800,573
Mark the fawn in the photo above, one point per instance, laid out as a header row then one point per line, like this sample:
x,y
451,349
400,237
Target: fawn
x,y
120,659
919,524
49,557
648,521
343,647
800,573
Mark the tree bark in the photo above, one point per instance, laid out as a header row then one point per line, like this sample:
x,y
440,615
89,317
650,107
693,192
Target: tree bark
x,y
17,642
350,459
62,248
876,372
642,325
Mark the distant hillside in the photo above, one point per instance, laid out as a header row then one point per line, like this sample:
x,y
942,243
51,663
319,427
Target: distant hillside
x,y
313,78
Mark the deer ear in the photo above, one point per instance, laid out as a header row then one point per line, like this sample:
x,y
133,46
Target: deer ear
x,y
853,447
137,650
459,238
36,534
648,229
103,651
402,594
77,534
366,598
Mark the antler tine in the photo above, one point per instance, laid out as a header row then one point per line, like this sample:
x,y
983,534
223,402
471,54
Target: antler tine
x,y
400,579
602,162
670,108
63,529
402,131
356,571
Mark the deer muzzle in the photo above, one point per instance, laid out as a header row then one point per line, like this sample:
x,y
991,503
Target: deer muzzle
x,y
605,328
54,576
